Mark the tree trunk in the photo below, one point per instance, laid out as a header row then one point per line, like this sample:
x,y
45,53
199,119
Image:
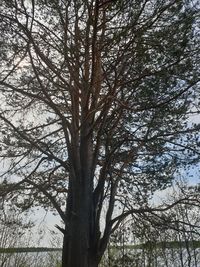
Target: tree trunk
x,y
78,250
80,247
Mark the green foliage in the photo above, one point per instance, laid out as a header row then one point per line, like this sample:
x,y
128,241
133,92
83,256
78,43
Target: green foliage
x,y
97,100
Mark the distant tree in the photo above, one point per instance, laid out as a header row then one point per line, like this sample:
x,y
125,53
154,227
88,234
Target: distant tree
x,y
14,231
95,102
170,239
17,241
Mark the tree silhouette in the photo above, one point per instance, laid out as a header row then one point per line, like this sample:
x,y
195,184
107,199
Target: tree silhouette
x,y
95,102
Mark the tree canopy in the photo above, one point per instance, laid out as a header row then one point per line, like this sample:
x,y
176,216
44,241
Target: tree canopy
x,y
98,106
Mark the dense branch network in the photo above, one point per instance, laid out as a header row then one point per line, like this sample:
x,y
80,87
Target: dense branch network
x,y
97,96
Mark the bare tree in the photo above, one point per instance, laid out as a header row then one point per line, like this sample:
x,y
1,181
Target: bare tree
x,y
14,232
170,239
95,99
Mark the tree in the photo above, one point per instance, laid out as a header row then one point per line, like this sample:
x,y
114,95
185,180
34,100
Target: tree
x,y
95,100
170,239
14,232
